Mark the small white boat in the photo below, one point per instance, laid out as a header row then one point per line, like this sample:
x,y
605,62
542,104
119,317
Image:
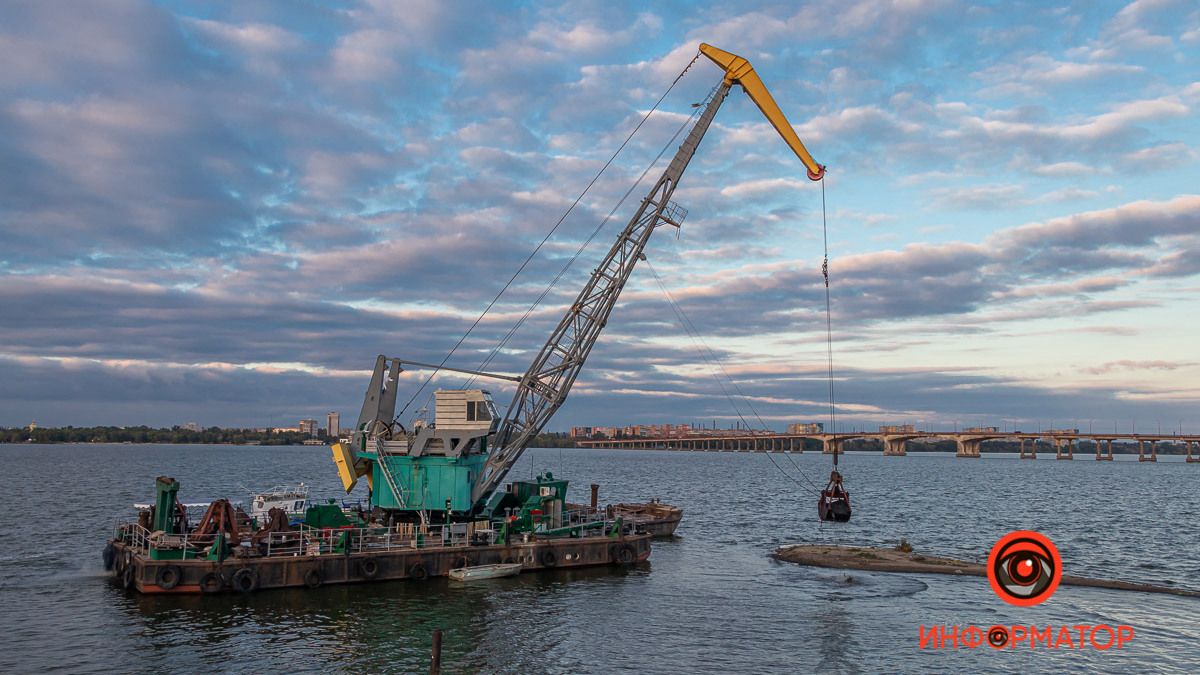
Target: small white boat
x,y
293,499
477,572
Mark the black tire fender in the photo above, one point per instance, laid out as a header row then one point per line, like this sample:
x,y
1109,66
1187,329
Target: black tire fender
x,y
418,572
127,577
313,578
627,554
168,577
623,554
211,583
245,580
548,557
110,556
368,568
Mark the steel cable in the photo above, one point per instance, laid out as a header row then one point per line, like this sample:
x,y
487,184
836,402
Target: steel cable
x,y
715,363
582,247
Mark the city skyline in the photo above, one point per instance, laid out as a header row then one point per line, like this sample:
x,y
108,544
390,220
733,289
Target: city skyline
x,y
224,212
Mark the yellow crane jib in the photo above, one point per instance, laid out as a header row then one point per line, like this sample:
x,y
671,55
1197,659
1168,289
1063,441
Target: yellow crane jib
x,y
738,70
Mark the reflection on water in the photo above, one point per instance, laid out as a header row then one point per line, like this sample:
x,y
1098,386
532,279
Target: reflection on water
x,y
710,600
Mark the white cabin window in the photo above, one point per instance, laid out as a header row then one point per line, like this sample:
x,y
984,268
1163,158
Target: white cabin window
x,y
478,411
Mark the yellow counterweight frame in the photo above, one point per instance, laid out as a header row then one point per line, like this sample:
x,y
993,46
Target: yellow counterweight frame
x,y
350,467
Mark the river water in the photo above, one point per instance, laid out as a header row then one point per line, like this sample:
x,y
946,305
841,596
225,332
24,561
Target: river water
x,y
709,601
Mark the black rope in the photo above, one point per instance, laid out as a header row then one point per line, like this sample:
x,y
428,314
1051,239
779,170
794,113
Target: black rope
x,y
587,242
548,235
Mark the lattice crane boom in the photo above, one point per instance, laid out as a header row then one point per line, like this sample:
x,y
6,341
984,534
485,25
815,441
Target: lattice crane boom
x,y
544,387
546,383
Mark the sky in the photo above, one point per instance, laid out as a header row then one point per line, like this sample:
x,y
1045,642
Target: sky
x,y
221,212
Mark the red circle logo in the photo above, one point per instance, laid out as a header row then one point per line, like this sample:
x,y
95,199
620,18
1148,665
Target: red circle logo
x,y
1024,568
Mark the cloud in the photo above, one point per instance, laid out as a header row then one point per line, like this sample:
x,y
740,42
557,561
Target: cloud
x,y
1134,224
1160,157
1064,169
1042,74
979,197
1114,366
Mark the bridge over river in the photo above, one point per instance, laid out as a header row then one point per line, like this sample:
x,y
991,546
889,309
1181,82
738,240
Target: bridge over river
x,y
895,442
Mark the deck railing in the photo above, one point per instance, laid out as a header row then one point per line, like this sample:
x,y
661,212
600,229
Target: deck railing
x,y
303,540
306,541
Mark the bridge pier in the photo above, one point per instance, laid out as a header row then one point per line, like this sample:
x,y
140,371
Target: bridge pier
x,y
1032,452
1108,447
1191,459
895,447
968,447
1153,452
1069,444
831,445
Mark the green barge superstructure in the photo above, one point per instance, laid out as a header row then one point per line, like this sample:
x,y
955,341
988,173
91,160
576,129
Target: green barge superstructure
x,y
226,551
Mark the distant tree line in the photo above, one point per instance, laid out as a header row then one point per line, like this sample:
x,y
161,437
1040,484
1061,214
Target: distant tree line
x,y
145,434
211,435
552,439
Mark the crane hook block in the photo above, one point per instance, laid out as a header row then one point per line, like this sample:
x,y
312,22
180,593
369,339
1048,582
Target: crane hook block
x,y
738,70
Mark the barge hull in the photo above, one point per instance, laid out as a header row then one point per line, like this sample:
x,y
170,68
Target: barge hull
x,y
136,570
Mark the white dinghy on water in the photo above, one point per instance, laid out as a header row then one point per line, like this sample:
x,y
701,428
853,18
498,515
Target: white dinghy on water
x,y
480,572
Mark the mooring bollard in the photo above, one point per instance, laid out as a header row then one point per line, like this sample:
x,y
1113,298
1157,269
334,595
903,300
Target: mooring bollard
x,y
435,662
596,495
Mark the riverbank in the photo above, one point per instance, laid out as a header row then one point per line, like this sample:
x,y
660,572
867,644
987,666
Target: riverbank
x,y
873,559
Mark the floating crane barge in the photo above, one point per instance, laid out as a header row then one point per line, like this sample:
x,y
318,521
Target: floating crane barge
x,y
435,502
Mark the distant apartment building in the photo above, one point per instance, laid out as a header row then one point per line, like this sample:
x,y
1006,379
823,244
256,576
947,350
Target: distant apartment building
x,y
676,430
806,428
897,429
582,432
333,425
191,426
981,430
309,427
